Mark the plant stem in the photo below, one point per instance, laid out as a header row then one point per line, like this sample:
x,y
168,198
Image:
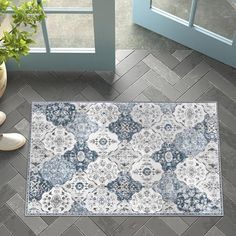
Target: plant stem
x,y
16,26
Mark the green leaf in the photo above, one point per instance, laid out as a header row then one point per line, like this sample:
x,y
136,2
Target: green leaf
x,y
16,42
4,4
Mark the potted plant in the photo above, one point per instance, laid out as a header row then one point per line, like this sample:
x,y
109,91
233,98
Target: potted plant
x,y
16,41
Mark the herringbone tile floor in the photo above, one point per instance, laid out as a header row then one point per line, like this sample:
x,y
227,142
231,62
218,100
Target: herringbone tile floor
x,y
140,75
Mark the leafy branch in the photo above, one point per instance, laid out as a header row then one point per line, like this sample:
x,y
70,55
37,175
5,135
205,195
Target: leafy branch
x,y
16,42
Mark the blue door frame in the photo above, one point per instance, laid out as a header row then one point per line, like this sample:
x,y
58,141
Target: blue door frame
x,y
102,57
185,32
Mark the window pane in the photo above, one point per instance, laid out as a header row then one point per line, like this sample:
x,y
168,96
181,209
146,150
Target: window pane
x,y
70,30
218,16
18,2
180,8
68,3
38,38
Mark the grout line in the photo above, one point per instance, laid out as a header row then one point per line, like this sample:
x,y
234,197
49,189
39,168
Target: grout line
x,y
113,229
17,172
147,225
74,226
121,223
204,92
142,226
15,214
98,226
183,60
131,69
5,183
77,228
213,226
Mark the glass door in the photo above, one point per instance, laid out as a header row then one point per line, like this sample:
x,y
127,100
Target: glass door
x,y
76,35
208,26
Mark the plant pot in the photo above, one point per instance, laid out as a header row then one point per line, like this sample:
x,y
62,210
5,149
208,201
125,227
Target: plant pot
x,y
3,79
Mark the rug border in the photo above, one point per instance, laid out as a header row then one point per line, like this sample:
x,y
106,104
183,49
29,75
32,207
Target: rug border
x,y
221,213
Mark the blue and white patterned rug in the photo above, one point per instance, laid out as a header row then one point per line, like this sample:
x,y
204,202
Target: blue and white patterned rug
x,y
124,159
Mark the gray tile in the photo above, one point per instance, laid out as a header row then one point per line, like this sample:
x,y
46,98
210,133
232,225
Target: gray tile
x,y
166,58
230,209
109,76
12,118
6,158
195,91
56,83
159,227
188,64
227,118
79,97
161,69
100,85
66,76
228,72
92,95
36,224
182,54
122,54
17,227
58,226
189,219
49,219
7,173
4,231
23,127
222,84
141,98
14,83
155,95
18,183
88,227
108,224
226,226
11,103
25,149
25,110
216,95
130,226
42,80
176,224
72,87
130,61
192,77
229,190
119,219
214,231
161,84
133,91
72,231
5,213
201,226
228,162
117,61
130,77
30,94
226,136
20,164
144,231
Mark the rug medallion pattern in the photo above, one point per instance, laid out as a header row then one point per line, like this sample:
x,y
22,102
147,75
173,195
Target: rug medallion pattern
x,y
124,159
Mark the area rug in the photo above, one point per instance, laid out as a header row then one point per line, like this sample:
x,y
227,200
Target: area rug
x,y
124,159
